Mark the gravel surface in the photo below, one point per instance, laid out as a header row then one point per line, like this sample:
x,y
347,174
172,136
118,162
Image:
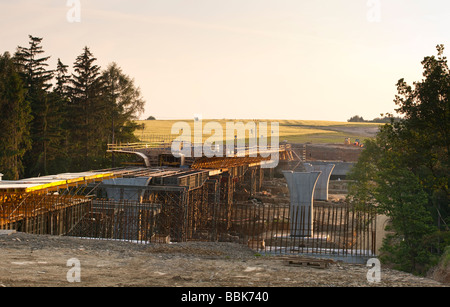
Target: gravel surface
x,y
41,261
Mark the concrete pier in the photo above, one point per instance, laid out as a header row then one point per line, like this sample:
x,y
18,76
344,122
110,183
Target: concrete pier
x,y
321,190
301,188
133,193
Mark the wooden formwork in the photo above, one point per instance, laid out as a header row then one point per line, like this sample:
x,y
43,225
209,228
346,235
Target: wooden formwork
x,y
191,179
44,214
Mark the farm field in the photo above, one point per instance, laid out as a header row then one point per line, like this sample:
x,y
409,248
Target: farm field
x,y
292,131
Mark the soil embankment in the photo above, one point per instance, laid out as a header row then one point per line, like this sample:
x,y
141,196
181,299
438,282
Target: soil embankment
x,y
34,261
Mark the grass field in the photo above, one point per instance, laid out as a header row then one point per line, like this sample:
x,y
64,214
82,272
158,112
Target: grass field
x,y
293,131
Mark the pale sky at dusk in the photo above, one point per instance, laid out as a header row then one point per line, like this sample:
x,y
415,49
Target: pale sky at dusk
x,y
266,59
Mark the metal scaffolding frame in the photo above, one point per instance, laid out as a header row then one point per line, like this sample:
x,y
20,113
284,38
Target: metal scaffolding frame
x,y
206,199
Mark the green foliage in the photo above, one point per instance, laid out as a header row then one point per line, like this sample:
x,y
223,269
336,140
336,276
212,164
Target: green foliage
x,y
402,199
45,127
88,109
384,119
446,257
356,119
59,122
124,102
403,173
14,120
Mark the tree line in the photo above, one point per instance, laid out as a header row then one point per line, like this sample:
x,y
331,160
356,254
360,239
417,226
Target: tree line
x,y
404,172
53,121
380,120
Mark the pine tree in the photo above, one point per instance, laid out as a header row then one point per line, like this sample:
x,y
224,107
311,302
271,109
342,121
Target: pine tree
x,y
62,80
34,71
44,107
15,119
124,102
60,117
88,109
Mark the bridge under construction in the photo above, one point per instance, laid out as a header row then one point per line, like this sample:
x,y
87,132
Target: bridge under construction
x,y
178,199
35,204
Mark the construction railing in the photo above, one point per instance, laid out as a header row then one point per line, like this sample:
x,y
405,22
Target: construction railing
x,y
338,230
179,215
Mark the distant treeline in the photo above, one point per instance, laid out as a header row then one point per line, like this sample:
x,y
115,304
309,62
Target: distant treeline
x,y
53,121
360,119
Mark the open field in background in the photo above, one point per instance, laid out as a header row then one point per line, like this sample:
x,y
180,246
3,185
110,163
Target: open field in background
x,y
292,131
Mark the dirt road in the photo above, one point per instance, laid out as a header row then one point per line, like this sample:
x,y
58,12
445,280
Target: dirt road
x,y
41,261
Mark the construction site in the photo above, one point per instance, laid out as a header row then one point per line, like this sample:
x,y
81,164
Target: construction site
x,y
297,207
198,222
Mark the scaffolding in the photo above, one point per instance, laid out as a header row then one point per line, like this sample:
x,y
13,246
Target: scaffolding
x,y
210,199
179,205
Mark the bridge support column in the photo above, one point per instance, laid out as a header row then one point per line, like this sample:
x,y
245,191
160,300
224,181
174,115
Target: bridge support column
x,y
321,190
301,188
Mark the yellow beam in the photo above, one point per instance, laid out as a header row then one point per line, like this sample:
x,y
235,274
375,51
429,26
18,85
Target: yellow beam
x,y
68,181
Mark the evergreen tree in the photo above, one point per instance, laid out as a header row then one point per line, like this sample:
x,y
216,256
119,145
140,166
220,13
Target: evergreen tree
x,y
124,104
88,119
34,72
62,80
45,126
60,117
66,126
14,120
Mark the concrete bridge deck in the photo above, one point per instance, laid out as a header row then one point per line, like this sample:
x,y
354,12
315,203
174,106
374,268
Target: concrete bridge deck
x,y
161,154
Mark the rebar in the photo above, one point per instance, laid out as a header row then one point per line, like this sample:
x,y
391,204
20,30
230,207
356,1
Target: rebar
x,y
208,212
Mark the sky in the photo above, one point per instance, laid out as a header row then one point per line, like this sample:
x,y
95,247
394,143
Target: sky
x,y
243,59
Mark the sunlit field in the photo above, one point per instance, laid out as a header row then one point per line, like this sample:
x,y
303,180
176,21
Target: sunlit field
x,y
292,131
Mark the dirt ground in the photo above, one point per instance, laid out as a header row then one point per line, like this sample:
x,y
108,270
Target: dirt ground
x,y
42,261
